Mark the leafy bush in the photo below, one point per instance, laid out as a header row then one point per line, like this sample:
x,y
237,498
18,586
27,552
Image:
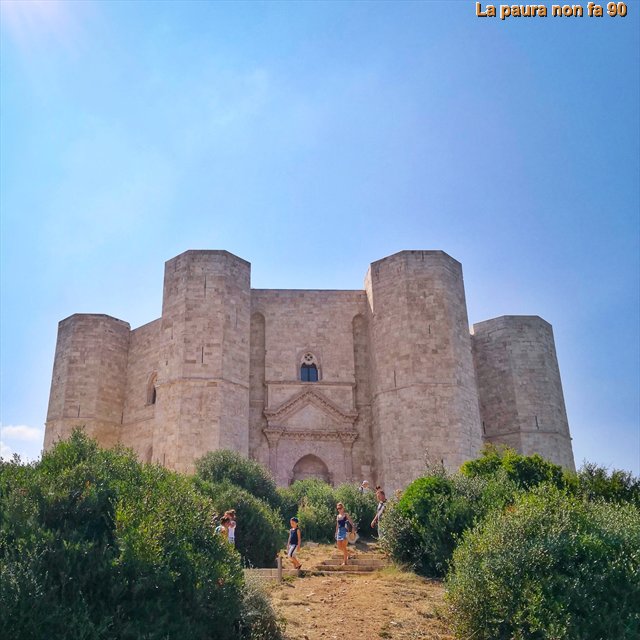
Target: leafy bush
x,y
525,471
260,530
314,501
420,530
591,482
595,482
487,493
550,566
223,465
315,492
424,527
258,620
95,545
317,522
288,503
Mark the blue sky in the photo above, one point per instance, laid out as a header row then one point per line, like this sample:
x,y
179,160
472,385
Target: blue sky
x,y
311,139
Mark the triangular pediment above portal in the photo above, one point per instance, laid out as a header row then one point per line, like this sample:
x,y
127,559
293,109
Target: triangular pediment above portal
x,y
310,417
310,409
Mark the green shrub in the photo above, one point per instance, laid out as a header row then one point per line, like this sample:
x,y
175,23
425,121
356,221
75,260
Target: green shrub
x,y
316,492
400,538
549,566
258,620
595,482
223,465
314,502
525,471
421,497
317,522
260,530
421,529
95,545
487,493
288,503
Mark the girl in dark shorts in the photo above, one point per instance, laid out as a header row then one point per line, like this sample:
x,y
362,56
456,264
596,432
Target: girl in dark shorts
x,y
294,542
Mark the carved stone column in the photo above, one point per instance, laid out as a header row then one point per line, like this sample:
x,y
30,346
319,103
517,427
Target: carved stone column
x,y
273,437
347,439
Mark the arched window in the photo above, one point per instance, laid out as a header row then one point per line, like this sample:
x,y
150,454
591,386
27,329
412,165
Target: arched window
x,y
309,368
152,393
309,373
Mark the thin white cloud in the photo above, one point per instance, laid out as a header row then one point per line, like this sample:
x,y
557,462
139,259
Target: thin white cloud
x,y
22,432
6,451
22,439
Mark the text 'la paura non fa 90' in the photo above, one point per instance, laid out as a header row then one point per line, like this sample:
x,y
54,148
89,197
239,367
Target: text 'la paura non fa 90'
x,y
594,10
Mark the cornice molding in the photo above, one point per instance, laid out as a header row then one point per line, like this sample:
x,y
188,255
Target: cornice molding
x,y
275,434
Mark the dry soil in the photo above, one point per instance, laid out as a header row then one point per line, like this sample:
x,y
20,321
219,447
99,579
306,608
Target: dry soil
x,y
388,603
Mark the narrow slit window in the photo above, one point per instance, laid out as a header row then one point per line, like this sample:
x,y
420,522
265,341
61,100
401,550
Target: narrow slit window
x,y
152,393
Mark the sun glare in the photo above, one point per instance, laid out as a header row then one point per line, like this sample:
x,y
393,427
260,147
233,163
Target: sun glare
x,y
34,23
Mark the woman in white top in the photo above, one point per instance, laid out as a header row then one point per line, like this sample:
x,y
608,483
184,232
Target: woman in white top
x,y
382,505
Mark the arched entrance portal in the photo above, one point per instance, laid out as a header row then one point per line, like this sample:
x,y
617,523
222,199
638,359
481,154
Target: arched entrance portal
x,y
310,466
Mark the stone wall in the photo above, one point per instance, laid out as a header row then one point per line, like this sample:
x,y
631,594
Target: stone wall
x,y
521,399
258,445
89,378
203,401
287,325
425,403
145,372
398,382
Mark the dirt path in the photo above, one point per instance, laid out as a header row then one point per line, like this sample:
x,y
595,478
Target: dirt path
x,y
385,604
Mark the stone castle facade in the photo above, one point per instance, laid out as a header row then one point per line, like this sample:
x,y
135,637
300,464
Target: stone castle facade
x,y
342,385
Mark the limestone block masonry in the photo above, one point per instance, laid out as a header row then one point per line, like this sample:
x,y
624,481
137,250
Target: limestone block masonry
x,y
521,400
341,385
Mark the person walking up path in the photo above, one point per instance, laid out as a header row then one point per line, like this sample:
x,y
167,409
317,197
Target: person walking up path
x,y
341,531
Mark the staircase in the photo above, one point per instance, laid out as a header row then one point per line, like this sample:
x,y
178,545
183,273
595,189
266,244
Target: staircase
x,y
271,574
360,563
364,557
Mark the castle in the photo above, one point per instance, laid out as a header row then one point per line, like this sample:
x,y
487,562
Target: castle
x,y
340,385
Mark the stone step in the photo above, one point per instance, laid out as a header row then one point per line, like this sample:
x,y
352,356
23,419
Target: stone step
x,y
377,562
339,574
271,574
371,556
349,568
